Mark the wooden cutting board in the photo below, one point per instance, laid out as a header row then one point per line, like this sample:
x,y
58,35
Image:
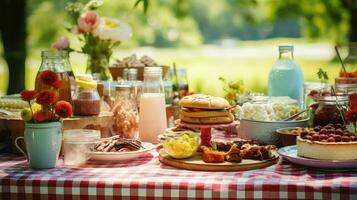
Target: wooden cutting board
x,y
196,163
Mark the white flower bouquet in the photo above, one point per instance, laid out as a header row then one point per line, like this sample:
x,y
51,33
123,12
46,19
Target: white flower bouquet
x,y
99,35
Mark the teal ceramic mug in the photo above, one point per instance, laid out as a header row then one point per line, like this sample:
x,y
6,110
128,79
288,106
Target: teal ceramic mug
x,y
43,144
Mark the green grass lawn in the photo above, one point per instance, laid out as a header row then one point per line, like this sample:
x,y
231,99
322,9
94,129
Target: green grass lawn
x,y
248,61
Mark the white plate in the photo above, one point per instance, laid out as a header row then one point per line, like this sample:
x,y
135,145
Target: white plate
x,y
121,156
290,153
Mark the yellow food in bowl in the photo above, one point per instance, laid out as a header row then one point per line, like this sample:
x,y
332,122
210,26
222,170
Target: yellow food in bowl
x,y
182,146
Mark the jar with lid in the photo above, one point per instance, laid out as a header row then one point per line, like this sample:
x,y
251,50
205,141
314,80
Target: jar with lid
x,y
78,145
125,112
152,106
329,110
54,61
86,99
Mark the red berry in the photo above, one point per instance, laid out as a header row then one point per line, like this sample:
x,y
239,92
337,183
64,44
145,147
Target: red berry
x,y
323,131
339,132
331,139
353,138
323,137
316,137
338,138
313,93
308,137
345,138
331,135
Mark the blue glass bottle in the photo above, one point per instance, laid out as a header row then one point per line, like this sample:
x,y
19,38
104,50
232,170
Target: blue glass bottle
x,y
286,77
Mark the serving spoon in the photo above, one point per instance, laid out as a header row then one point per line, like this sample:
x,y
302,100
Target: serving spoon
x,y
295,115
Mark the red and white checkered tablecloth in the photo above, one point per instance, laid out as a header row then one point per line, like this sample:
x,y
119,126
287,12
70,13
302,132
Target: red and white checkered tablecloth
x,y
146,178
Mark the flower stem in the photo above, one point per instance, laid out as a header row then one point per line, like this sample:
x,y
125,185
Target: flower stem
x,y
30,108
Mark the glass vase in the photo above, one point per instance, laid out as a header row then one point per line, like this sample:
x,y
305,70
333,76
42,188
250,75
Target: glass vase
x,y
97,65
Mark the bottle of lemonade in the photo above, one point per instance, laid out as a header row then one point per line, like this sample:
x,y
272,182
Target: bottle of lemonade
x,y
152,114
286,77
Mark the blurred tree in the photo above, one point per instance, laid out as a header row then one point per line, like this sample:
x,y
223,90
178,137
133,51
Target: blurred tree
x,y
13,34
335,18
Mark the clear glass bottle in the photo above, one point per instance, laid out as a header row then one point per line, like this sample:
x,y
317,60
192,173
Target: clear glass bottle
x,y
54,61
152,106
169,95
68,69
137,85
182,82
125,112
286,77
86,99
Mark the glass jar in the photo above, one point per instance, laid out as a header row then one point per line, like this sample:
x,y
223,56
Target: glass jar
x,y
78,145
68,69
137,85
86,99
345,89
310,87
329,110
54,61
97,65
125,112
152,106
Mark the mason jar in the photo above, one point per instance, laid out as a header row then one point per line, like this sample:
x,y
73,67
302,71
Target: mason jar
x,y
329,109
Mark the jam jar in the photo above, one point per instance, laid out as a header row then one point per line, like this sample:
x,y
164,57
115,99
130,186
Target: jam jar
x,y
86,100
329,109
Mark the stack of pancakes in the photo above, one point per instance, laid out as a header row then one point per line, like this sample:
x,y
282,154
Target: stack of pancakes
x,y
205,109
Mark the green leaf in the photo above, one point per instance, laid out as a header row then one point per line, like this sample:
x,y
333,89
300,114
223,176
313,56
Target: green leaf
x,y
145,5
322,75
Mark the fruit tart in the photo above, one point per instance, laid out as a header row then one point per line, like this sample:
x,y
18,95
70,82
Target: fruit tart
x,y
330,142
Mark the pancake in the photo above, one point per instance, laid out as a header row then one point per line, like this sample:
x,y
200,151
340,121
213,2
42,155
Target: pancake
x,y
204,101
208,120
206,114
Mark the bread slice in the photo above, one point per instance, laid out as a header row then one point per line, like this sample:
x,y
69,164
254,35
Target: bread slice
x,y
207,120
204,101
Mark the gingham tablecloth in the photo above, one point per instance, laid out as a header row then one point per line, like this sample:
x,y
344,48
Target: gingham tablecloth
x,y
147,178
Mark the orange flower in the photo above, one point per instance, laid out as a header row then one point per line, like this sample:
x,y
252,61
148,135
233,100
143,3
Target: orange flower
x,y
63,109
48,77
28,95
41,116
46,97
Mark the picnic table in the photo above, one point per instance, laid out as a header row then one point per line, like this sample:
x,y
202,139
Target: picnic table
x,y
147,178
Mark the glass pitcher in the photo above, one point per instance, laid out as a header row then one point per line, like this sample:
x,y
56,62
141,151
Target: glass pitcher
x,y
152,120
54,61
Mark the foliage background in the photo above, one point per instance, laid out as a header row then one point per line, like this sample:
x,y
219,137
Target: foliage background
x,y
237,39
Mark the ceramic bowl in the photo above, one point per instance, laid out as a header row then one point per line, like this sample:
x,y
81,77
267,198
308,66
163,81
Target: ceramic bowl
x,y
265,131
287,138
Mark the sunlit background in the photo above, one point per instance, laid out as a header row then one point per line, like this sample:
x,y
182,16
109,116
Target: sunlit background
x,y
237,40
